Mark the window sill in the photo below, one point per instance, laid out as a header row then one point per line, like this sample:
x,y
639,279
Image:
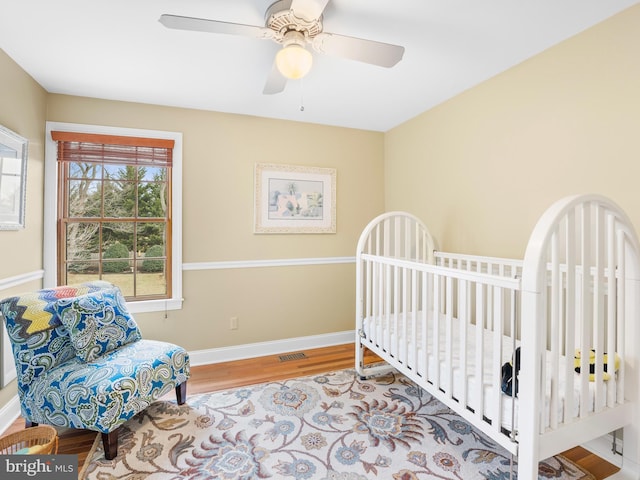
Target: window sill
x,y
155,305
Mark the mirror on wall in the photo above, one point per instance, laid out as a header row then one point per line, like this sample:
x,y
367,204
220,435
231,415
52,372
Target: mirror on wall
x,y
13,179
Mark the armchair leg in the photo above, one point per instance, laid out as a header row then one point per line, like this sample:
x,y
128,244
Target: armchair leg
x,y
181,393
110,444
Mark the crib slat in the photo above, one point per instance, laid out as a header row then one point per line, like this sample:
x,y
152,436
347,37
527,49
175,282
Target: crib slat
x,y
368,288
437,306
406,315
598,308
403,333
421,246
611,307
395,244
386,289
377,300
622,313
586,307
555,322
393,309
382,241
406,237
426,308
497,331
372,240
372,300
541,388
448,366
413,361
570,315
478,392
513,322
463,314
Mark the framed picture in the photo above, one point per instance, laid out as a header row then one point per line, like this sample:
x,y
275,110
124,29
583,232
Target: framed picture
x,y
13,179
294,199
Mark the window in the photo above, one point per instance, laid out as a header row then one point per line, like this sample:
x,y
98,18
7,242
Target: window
x,y
115,212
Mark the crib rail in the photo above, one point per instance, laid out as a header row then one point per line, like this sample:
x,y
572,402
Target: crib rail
x,y
502,267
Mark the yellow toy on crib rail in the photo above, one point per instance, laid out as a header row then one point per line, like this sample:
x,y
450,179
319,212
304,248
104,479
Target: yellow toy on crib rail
x,y
577,359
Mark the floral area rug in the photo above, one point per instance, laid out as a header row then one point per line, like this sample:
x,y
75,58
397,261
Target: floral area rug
x,y
332,426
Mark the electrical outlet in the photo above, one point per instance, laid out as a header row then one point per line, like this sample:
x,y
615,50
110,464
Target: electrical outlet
x,y
233,323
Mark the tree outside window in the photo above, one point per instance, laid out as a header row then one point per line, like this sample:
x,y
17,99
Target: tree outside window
x,y
114,223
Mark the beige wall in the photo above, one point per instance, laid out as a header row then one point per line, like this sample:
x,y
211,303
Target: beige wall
x,y
220,152
22,109
481,168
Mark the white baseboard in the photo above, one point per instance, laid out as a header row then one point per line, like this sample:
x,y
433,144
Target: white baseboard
x,y
9,413
261,349
602,447
626,473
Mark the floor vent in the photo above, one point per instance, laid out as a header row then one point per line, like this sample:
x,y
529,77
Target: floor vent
x,y
292,356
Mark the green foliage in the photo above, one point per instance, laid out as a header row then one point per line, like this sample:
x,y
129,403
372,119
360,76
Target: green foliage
x,y
118,194
119,251
152,263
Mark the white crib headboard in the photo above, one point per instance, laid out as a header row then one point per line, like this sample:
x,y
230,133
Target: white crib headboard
x,y
398,235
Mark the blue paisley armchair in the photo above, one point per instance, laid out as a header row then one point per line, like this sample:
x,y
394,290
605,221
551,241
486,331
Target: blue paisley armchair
x,y
82,363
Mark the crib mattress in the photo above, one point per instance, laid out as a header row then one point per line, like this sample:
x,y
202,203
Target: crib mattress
x,y
401,345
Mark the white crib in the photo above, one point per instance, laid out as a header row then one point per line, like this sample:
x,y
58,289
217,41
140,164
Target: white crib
x,y
449,322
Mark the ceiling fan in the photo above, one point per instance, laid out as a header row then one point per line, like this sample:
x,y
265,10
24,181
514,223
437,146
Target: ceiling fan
x,y
294,24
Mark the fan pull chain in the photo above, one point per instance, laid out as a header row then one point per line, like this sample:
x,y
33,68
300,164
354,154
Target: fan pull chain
x,y
302,95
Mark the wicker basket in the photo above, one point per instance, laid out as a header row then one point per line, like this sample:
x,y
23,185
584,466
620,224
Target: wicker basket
x,y
44,436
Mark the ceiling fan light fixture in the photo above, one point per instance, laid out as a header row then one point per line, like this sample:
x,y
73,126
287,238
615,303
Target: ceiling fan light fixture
x,y
294,61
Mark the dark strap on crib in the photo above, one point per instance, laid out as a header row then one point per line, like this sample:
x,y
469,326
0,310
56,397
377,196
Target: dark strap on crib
x,y
510,375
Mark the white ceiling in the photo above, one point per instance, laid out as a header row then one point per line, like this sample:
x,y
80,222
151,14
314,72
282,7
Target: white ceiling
x,y
118,50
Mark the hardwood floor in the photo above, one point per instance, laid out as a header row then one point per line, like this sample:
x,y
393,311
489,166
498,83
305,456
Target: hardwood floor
x,y
222,376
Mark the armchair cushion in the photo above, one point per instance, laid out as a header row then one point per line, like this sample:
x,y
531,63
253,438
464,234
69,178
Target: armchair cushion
x,y
40,342
104,393
98,322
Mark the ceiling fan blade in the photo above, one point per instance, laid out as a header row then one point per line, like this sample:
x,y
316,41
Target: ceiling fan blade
x,y
275,81
214,26
308,9
368,51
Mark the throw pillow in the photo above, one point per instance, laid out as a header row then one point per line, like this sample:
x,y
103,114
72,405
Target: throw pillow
x,y
98,322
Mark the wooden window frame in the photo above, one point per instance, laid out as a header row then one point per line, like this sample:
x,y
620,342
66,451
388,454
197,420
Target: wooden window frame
x,y
173,248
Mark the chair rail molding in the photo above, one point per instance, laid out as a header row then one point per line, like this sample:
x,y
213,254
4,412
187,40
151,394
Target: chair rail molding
x,y
10,282
281,262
